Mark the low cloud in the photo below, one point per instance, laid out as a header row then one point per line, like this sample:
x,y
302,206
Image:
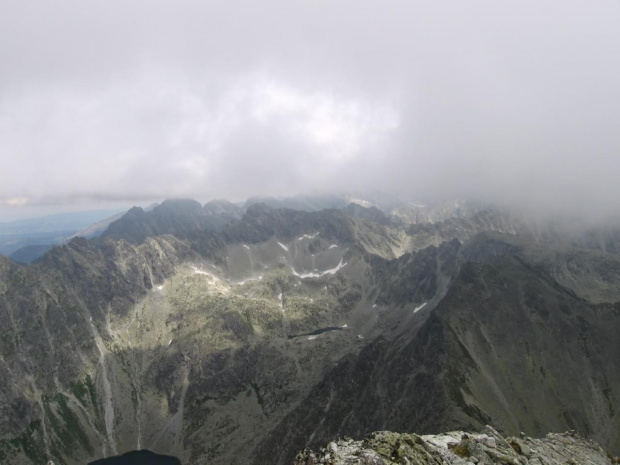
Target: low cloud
x,y
16,201
514,103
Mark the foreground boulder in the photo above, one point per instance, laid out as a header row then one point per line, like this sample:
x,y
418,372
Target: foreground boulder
x,y
458,447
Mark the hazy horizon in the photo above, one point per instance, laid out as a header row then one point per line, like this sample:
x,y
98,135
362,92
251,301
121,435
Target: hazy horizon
x,y
113,103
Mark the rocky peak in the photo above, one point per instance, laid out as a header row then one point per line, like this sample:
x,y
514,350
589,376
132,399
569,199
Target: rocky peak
x,y
221,206
368,213
173,216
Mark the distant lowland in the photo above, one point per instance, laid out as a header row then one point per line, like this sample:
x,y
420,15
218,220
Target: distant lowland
x,y
27,240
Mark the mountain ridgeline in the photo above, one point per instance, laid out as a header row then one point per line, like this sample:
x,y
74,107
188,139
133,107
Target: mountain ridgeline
x,y
222,334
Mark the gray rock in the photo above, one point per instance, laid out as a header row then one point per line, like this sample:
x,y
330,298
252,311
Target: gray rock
x,y
387,448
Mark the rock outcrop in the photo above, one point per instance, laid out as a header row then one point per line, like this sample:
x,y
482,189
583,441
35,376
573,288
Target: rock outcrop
x,y
459,448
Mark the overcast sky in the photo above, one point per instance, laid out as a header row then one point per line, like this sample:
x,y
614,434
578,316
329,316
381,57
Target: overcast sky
x,y
138,100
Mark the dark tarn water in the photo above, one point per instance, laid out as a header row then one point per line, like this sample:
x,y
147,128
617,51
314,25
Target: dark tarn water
x,y
318,331
138,457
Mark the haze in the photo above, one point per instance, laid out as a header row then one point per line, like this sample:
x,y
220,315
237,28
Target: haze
x,y
110,102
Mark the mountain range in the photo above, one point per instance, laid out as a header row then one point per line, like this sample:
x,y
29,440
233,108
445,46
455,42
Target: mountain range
x,y
228,334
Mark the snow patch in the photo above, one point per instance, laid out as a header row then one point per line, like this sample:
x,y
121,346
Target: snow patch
x,y
374,305
283,246
159,288
360,336
197,271
319,275
308,236
333,246
246,246
417,309
311,338
345,326
169,342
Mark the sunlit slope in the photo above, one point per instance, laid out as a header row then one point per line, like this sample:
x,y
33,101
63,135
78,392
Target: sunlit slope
x,y
109,343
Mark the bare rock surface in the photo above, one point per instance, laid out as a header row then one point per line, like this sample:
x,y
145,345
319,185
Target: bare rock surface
x,y
458,448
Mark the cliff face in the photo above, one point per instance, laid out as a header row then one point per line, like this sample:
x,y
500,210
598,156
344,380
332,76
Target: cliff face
x,y
254,338
458,448
59,363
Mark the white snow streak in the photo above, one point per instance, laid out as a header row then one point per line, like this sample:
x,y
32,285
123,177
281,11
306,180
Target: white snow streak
x,y
318,275
283,246
333,246
197,271
308,236
246,246
206,273
310,338
417,309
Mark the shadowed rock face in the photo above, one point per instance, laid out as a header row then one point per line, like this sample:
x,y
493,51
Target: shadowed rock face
x,y
458,447
507,345
171,217
173,335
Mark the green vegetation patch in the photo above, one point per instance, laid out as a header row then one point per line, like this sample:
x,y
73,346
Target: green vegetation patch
x,y
259,397
84,391
68,428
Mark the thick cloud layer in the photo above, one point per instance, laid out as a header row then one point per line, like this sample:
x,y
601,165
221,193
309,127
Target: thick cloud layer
x,y
512,101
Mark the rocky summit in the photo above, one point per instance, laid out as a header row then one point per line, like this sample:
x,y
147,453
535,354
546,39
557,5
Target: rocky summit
x,y
459,448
